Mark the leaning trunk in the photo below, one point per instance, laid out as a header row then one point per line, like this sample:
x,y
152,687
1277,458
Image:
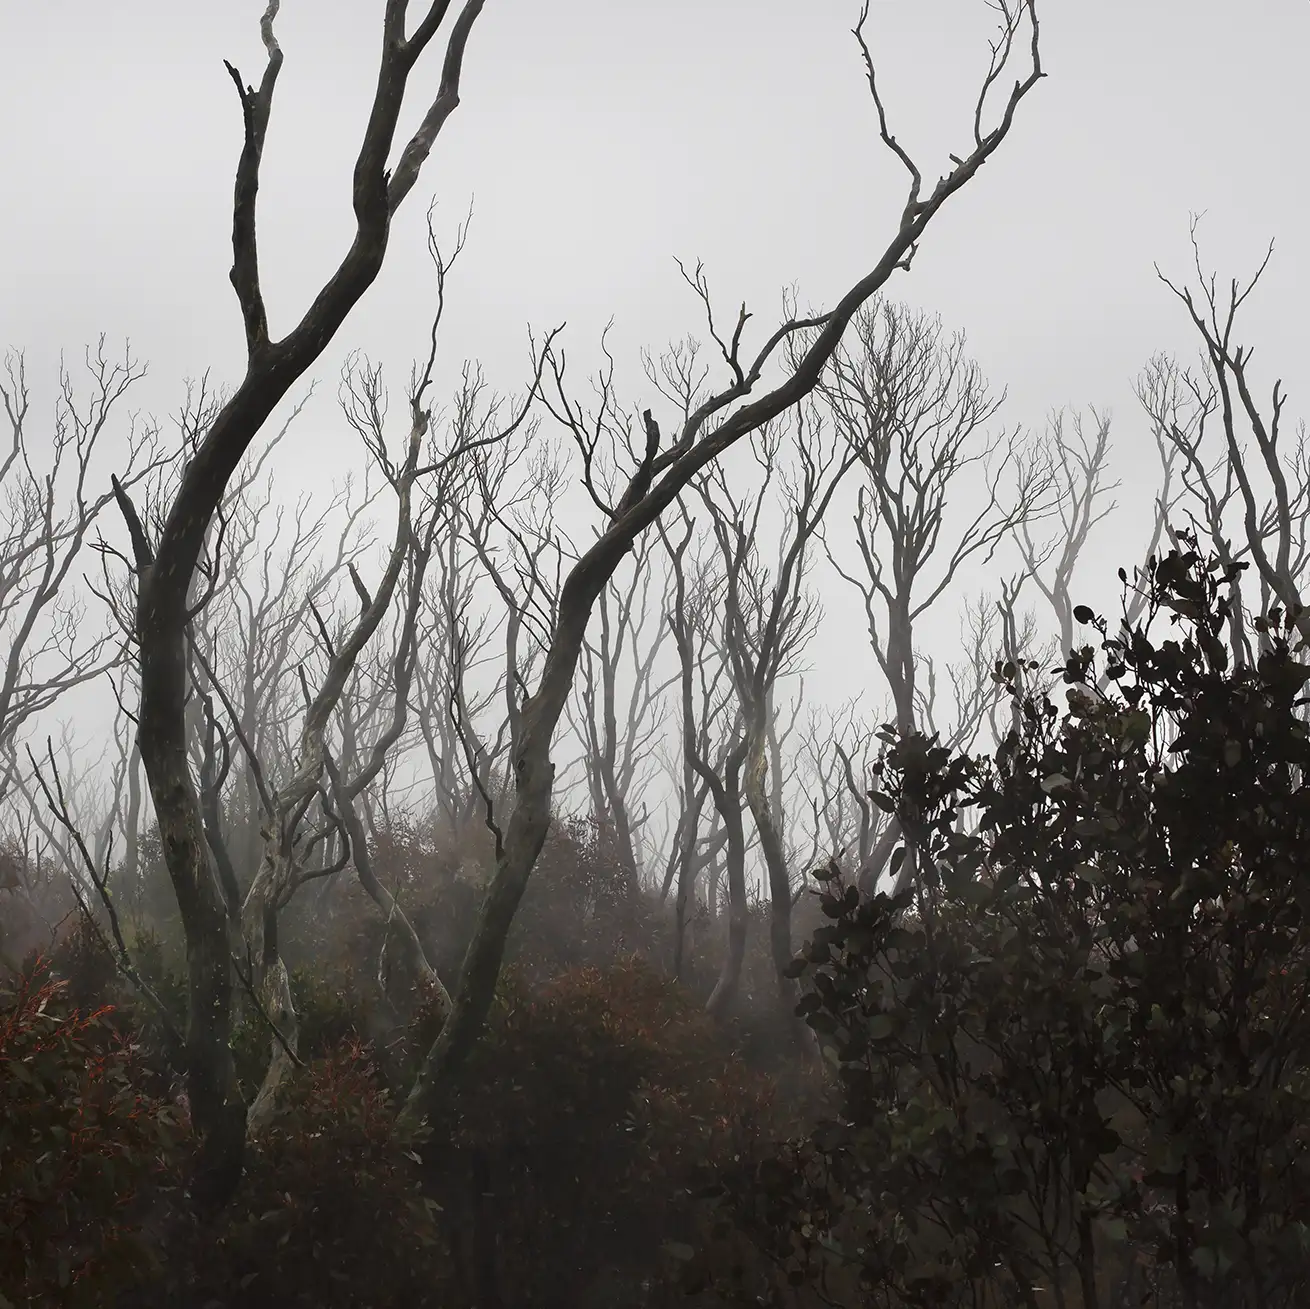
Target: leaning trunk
x,y
518,848
525,834
270,985
429,982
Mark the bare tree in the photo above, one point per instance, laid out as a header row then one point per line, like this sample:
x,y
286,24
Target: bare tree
x,y
839,749
1269,493
915,409
714,750
166,567
81,862
704,698
660,475
768,617
456,637
1077,465
50,510
619,708
275,570
509,520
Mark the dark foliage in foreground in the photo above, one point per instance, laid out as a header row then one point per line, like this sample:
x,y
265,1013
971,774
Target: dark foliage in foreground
x,y
560,1166
1074,1065
1071,1068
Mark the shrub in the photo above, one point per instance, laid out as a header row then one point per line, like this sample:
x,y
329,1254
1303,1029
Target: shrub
x,y
81,1148
330,1212
1079,1047
584,1111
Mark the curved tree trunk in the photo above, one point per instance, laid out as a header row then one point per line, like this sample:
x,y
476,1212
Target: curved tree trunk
x,y
166,569
662,475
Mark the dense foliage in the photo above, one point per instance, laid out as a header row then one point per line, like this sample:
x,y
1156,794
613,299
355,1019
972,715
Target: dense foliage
x,y
84,1149
558,1170
1070,1065
1075,1065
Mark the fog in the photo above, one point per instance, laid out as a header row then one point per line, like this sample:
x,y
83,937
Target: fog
x,y
423,683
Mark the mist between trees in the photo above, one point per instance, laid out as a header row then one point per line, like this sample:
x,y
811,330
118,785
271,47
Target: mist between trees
x,y
571,626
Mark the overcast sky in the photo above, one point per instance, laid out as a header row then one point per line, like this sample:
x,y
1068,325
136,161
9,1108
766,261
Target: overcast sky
x,y
597,139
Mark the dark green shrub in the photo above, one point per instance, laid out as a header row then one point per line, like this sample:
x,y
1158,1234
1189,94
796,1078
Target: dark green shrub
x,y
1075,1059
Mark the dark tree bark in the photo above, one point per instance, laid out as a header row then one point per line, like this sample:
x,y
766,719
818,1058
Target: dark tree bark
x,y
166,568
661,477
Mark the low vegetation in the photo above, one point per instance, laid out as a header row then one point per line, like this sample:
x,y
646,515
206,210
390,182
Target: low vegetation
x,y
1070,1066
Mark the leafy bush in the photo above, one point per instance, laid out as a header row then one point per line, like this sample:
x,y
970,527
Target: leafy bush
x,y
584,1112
81,1150
1077,1057
331,1211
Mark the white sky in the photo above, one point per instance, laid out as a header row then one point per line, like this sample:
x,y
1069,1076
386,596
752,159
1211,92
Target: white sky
x,y
600,138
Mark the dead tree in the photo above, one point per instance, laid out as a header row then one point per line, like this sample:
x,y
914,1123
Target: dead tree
x,y
456,634
508,519
166,566
619,708
915,409
1077,466
660,474
1251,497
838,751
275,568
49,508
713,752
768,616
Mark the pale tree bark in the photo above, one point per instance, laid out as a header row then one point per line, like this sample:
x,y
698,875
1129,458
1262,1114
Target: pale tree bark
x,y
271,572
282,869
166,566
351,779
1257,476
768,617
426,469
476,430
246,644
660,476
48,512
915,408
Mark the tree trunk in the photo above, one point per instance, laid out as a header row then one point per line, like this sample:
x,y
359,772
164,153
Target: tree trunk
x,y
727,796
775,861
525,834
427,977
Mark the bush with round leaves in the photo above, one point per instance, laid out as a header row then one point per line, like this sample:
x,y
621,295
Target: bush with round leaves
x,y
1075,1056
